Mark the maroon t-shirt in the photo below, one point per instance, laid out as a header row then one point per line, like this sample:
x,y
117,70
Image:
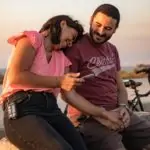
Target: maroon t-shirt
x,y
102,60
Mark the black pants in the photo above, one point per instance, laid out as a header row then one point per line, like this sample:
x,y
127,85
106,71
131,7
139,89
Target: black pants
x,y
41,125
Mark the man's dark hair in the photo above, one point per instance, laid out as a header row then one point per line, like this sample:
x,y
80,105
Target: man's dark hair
x,y
108,10
54,25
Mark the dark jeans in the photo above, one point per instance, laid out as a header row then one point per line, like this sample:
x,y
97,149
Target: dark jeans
x,y
135,137
41,125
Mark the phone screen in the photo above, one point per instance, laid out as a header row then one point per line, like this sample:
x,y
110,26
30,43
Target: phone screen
x,y
88,76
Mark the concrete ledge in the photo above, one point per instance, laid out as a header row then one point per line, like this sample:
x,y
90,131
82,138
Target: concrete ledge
x,y
6,145
2,133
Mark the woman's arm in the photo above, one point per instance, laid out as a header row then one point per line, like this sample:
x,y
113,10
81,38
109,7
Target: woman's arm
x,y
19,69
20,65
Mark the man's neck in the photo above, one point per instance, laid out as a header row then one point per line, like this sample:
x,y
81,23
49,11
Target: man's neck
x,y
92,41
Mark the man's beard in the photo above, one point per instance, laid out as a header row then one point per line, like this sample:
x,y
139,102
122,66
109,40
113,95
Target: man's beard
x,y
106,38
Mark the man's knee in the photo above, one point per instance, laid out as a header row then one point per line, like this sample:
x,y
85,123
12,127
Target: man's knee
x,y
100,145
113,142
100,137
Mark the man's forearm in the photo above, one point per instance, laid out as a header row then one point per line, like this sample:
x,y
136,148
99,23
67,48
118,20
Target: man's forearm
x,y
122,92
83,105
122,97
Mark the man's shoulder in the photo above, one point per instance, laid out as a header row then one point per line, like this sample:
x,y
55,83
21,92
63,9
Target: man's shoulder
x,y
110,44
82,41
76,47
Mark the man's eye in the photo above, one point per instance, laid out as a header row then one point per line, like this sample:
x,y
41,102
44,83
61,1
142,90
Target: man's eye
x,y
68,41
98,25
108,28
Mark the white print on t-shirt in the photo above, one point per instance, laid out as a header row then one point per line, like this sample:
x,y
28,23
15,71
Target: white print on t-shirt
x,y
101,64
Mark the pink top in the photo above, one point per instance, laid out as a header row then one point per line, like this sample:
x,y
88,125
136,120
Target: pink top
x,y
40,66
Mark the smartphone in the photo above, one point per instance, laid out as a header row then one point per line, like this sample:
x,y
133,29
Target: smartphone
x,y
88,76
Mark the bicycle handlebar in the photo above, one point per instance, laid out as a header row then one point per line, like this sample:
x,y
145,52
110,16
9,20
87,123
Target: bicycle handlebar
x,y
143,69
131,83
144,95
146,70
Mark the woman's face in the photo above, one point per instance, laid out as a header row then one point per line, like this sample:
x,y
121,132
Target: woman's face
x,y
68,35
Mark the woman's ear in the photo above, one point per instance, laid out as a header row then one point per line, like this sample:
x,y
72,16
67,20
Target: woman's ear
x,y
46,33
63,23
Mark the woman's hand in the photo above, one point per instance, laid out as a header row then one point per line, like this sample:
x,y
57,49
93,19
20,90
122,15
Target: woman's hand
x,y
69,81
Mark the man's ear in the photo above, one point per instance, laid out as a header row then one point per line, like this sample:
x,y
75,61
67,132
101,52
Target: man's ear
x,y
115,31
63,23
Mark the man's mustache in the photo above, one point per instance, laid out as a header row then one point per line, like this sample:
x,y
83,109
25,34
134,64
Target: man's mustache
x,y
100,35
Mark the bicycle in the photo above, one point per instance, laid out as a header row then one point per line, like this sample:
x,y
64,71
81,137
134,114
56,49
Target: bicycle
x,y
136,104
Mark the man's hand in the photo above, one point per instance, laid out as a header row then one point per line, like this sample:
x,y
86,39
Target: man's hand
x,y
107,123
112,120
114,117
124,115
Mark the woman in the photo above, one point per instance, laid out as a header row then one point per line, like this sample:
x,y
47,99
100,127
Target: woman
x,y
35,73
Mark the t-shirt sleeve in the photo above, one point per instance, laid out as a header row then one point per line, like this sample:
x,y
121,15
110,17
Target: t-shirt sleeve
x,y
34,37
117,59
74,56
67,62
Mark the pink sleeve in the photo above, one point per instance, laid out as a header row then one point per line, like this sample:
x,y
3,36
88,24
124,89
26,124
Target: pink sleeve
x,y
34,37
67,62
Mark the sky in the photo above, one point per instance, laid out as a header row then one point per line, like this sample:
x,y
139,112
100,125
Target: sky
x,y
132,38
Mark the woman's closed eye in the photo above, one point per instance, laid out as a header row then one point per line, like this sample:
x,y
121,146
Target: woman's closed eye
x,y
69,42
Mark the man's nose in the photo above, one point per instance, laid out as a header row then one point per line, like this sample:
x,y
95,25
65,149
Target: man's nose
x,y
101,30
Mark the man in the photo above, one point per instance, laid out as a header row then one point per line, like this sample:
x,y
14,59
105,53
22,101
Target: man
x,y
98,62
